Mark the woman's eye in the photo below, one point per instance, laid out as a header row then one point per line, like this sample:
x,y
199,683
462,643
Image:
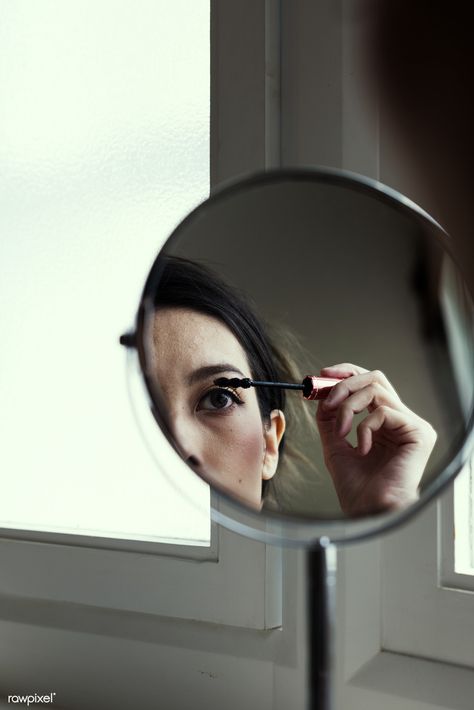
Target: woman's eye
x,y
218,399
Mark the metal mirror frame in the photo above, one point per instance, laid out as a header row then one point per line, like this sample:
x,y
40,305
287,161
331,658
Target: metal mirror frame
x,y
268,526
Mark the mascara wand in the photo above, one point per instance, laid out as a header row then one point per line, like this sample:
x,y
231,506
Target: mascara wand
x,y
312,387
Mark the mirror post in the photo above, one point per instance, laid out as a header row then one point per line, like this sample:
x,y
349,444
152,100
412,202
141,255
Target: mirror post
x,y
321,600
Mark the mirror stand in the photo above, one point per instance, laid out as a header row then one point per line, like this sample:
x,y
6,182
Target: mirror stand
x,y
321,600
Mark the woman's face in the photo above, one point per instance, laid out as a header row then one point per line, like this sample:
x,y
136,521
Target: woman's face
x,y
218,431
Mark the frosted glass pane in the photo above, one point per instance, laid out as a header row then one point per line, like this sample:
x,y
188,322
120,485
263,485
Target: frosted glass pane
x,y
464,521
104,147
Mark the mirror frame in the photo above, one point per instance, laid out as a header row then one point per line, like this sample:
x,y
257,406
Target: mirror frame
x,y
268,526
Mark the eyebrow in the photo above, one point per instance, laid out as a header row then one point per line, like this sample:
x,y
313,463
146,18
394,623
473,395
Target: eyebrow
x,y
203,373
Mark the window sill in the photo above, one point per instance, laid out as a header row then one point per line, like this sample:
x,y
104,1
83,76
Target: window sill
x,y
427,684
241,586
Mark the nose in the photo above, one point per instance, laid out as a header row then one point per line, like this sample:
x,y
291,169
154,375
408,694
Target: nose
x,y
186,441
193,461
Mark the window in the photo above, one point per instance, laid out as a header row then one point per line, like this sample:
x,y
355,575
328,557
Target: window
x,y
104,148
235,581
464,520
459,321
457,516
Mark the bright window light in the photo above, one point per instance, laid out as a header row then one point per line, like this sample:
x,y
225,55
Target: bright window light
x,y
458,320
104,147
464,522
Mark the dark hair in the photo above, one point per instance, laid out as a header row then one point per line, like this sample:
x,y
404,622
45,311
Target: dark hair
x,y
187,284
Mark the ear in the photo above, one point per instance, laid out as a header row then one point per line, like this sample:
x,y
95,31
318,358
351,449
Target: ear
x,y
272,434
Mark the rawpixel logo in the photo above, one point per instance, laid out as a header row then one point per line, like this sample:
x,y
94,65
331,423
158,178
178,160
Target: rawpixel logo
x,y
30,699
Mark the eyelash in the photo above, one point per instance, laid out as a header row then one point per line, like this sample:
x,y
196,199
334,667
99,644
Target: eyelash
x,y
233,393
228,390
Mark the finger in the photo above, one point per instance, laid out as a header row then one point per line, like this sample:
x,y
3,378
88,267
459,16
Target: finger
x,y
344,369
364,440
369,397
346,387
390,419
329,438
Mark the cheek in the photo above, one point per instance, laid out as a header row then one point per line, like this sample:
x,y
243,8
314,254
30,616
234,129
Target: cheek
x,y
252,447
237,447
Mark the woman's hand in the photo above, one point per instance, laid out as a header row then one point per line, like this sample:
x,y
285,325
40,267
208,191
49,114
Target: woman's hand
x,y
393,443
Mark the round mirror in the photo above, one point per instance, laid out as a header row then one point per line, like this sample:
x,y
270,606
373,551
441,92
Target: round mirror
x,y
306,344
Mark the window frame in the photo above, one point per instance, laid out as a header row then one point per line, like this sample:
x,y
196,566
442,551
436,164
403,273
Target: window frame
x,y
451,529
142,576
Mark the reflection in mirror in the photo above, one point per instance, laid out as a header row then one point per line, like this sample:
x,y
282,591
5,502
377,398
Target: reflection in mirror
x,y
292,278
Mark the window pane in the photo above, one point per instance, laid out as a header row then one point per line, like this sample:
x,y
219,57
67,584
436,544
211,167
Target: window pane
x,y
104,147
458,312
464,522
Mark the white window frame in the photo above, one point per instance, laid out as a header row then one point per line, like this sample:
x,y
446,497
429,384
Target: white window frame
x,y
240,580
407,638
426,616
